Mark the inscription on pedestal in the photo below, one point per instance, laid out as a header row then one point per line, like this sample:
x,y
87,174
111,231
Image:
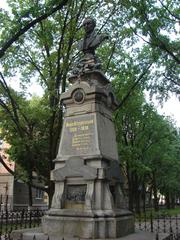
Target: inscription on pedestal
x,y
79,136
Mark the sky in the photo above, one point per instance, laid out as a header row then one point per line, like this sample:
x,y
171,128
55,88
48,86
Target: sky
x,y
170,108
3,4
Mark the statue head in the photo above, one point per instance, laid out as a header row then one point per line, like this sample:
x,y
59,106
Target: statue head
x,y
89,24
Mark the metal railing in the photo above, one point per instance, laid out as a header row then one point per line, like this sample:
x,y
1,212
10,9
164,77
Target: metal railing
x,y
11,220
159,223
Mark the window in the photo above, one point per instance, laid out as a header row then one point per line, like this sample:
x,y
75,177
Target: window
x,y
39,194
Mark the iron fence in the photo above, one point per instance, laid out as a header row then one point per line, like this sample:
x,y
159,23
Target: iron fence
x,y
11,220
159,223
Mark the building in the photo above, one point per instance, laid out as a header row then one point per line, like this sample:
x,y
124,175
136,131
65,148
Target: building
x,y
14,193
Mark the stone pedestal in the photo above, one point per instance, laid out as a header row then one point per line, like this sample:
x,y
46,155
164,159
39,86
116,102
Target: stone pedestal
x,y
88,201
140,235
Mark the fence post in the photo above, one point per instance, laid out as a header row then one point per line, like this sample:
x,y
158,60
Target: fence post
x,y
151,222
30,218
38,216
164,223
6,203
0,202
177,230
21,237
140,221
171,233
6,221
22,218
157,236
145,221
158,225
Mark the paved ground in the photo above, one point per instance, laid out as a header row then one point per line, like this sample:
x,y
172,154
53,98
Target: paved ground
x,y
145,236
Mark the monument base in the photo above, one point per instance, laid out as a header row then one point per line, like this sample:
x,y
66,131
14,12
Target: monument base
x,y
35,234
88,224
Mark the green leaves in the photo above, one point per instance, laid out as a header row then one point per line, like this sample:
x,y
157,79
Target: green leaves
x,y
148,145
38,41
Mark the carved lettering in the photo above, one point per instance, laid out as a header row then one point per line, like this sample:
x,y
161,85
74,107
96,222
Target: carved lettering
x,y
79,135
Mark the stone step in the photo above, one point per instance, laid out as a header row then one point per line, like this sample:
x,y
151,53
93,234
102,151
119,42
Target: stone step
x,y
140,235
35,236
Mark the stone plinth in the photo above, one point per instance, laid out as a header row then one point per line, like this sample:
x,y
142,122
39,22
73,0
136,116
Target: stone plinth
x,y
99,225
140,235
88,202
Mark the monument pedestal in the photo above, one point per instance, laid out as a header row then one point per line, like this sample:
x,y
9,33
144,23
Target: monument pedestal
x,y
102,225
88,201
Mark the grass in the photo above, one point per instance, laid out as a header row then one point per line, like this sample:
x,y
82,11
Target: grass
x,y
161,213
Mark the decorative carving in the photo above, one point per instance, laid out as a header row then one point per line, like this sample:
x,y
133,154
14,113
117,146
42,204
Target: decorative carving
x,y
58,198
78,96
76,193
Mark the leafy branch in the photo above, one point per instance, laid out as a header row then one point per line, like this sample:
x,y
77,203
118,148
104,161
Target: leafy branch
x,y
31,24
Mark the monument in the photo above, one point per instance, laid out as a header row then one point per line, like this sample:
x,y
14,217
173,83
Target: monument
x,y
88,201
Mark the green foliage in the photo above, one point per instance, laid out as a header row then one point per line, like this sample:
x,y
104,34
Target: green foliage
x,y
148,147
142,53
28,148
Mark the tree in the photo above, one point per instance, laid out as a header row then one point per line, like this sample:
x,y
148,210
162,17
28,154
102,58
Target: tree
x,y
146,148
147,32
27,14
39,40
46,53
159,30
167,170
29,144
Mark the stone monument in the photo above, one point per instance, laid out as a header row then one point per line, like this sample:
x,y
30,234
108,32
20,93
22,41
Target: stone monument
x,y
88,201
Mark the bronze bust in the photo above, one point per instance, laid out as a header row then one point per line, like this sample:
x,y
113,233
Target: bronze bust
x,y
87,46
92,39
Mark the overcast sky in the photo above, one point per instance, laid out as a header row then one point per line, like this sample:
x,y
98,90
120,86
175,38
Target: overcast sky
x,y
170,108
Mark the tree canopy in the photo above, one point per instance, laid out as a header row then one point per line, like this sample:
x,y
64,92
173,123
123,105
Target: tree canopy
x,y
38,42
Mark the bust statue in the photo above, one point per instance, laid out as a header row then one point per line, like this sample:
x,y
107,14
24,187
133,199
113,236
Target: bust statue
x,y
87,46
92,39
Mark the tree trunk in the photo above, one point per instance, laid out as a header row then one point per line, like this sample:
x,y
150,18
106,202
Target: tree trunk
x,y
156,204
172,201
137,202
131,202
150,198
137,193
167,201
30,195
130,188
144,197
